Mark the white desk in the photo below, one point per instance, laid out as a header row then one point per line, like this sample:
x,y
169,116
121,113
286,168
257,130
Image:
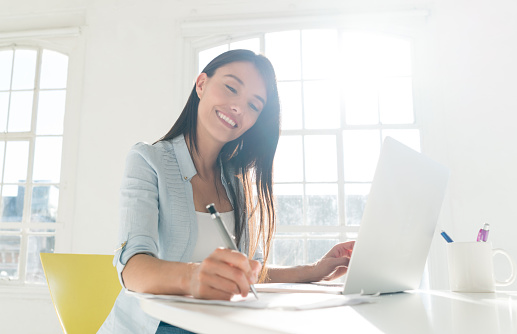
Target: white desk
x,y
414,312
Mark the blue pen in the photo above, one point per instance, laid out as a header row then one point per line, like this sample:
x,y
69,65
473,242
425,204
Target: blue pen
x,y
446,237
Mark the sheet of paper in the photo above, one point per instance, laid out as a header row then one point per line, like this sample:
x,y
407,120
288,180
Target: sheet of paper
x,y
284,301
333,288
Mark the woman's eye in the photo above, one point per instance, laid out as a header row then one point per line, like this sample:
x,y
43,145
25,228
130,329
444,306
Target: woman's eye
x,y
252,106
231,89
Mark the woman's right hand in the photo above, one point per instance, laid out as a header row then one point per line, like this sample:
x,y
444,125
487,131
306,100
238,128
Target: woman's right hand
x,y
222,274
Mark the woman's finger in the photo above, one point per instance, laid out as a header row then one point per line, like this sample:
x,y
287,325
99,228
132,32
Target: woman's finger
x,y
227,272
235,259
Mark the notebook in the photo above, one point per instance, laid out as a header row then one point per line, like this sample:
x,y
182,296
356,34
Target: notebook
x,y
397,227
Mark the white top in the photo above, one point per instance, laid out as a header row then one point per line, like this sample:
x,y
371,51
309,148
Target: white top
x,y
208,236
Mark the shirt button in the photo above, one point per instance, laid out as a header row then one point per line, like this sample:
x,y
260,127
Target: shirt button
x,y
186,178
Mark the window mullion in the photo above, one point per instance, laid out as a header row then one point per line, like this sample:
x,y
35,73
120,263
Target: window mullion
x,y
32,145
339,145
22,259
305,199
340,180
10,93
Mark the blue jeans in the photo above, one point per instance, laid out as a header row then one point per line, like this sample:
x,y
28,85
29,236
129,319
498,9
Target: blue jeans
x,y
165,328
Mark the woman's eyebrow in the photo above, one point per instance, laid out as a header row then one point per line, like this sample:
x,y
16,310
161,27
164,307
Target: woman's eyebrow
x,y
242,84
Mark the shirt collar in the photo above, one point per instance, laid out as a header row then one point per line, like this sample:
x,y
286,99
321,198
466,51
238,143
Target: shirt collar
x,y
187,168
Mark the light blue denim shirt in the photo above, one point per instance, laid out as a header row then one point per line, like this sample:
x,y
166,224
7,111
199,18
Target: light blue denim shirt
x,y
157,217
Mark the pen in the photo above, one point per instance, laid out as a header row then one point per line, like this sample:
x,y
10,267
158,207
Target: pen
x,y
228,239
483,233
446,236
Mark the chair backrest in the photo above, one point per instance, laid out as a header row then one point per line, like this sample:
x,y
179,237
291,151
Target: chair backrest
x,y
83,289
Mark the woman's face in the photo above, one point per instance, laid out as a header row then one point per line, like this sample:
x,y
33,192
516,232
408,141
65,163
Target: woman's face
x,y
230,101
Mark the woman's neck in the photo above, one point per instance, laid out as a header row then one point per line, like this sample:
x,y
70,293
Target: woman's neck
x,y
205,157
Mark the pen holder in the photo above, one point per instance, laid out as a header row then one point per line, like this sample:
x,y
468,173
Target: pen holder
x,y
471,267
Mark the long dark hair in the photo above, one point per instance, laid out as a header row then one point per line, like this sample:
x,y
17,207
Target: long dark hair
x,y
252,153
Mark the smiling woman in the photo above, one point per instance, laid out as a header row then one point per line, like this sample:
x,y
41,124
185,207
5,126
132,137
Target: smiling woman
x,y
219,151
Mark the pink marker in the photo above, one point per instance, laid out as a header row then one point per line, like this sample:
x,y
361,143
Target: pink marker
x,y
483,233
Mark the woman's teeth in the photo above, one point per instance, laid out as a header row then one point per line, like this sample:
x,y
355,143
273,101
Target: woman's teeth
x,y
226,119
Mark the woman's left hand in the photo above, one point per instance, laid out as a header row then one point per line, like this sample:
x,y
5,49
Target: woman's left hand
x,y
334,264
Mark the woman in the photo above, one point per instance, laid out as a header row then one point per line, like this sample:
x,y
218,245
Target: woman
x,y
228,130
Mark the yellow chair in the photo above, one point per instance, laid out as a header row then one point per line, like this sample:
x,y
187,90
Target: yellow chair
x,y
83,289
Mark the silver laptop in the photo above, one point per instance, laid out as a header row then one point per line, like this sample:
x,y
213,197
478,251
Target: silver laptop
x,y
398,222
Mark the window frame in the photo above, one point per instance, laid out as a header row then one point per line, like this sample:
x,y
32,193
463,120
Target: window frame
x,y
67,41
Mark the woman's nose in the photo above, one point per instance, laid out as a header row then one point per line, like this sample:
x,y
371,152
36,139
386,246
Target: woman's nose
x,y
237,106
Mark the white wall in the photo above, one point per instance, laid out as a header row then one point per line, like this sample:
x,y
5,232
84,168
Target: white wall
x,y
131,91
472,54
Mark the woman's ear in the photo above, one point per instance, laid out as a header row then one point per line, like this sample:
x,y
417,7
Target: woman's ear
x,y
200,84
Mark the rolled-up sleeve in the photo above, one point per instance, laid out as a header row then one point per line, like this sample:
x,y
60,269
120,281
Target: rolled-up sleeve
x,y
138,230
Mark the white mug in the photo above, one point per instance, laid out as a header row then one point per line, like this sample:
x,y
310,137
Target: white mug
x,y
471,267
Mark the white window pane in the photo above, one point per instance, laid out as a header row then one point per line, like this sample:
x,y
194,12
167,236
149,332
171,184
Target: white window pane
x,y
24,69
283,50
396,56
322,204
47,159
360,55
289,159
396,101
44,203
9,257
356,195
252,44
287,252
409,137
361,101
20,111
54,70
321,105
375,55
6,64
51,112
2,155
291,104
4,110
361,152
37,244
16,160
12,203
289,204
208,55
320,158
316,248
319,53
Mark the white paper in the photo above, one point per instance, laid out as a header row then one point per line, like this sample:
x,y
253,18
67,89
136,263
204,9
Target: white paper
x,y
284,301
333,288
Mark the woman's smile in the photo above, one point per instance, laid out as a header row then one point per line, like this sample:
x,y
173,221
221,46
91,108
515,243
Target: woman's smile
x,y
226,119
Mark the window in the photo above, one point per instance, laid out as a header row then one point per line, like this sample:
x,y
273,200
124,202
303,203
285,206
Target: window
x,y
342,92
33,85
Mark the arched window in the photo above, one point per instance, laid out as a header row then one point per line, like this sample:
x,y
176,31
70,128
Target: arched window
x,y
33,83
